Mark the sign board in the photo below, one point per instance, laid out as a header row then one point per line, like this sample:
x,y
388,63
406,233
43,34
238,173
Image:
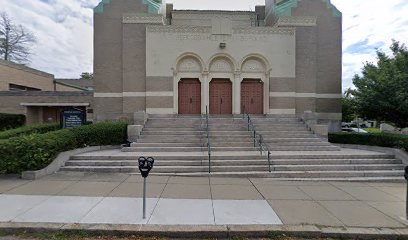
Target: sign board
x,y
72,118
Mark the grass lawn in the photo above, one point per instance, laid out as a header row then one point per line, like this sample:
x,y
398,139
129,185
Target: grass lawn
x,y
373,130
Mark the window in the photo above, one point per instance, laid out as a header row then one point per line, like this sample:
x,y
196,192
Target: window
x,y
17,88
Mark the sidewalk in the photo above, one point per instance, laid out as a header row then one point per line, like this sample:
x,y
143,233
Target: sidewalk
x,y
69,197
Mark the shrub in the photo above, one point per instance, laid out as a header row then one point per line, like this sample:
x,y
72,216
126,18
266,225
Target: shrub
x,y
36,151
373,139
26,130
9,121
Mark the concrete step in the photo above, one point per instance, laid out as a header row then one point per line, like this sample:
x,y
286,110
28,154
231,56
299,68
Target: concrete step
x,y
172,133
169,140
185,149
276,164
263,172
159,145
158,129
250,155
298,174
274,168
303,148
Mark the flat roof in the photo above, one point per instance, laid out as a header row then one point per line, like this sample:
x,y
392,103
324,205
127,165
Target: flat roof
x,y
54,104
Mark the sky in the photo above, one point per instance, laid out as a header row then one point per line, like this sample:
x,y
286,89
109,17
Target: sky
x,y
64,30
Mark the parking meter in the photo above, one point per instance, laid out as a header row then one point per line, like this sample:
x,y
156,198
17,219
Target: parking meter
x,y
406,204
145,166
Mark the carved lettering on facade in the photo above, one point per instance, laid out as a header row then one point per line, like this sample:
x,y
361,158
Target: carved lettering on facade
x,y
221,65
253,66
189,65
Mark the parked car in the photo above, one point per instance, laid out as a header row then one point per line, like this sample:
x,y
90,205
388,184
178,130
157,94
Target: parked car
x,y
357,130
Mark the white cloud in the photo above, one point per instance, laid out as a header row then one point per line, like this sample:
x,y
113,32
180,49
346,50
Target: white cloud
x,y
65,34
376,21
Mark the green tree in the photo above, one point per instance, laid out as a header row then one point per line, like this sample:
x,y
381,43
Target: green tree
x,y
15,40
87,76
348,106
382,90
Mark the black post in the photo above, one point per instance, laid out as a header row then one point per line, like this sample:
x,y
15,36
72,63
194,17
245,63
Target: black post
x,y
145,165
406,200
144,198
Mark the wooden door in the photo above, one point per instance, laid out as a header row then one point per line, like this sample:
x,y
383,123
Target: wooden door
x,y
220,96
252,96
189,91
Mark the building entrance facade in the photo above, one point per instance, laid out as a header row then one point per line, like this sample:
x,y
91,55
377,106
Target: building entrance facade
x,y
189,100
220,96
252,96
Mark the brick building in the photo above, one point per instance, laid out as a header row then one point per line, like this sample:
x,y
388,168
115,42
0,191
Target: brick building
x,y
283,58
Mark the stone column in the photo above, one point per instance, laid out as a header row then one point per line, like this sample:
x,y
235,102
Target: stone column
x,y
236,93
205,92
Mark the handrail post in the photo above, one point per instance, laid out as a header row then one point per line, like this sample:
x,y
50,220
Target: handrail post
x,y
254,138
269,161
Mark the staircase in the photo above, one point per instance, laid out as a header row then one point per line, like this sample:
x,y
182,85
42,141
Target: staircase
x,y
178,144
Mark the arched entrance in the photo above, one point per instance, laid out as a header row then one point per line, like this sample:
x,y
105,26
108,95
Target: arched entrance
x,y
220,96
189,96
252,96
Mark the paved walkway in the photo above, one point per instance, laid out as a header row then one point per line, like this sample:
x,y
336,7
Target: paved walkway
x,y
70,197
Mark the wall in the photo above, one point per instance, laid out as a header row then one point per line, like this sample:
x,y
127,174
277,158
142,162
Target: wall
x,y
114,63
20,75
10,102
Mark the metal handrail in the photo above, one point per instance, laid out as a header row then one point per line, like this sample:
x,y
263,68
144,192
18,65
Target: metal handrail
x,y
207,131
258,139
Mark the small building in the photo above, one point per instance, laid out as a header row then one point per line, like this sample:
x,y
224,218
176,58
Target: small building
x,y
39,95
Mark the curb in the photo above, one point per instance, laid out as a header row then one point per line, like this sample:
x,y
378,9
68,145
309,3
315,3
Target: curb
x,y
209,231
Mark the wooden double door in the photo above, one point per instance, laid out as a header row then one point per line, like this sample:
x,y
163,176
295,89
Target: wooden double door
x,y
189,96
220,96
252,96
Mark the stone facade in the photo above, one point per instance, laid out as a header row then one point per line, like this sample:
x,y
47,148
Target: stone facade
x,y
293,47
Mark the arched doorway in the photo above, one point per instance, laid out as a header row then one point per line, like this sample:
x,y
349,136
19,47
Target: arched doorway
x,y
220,96
252,96
189,96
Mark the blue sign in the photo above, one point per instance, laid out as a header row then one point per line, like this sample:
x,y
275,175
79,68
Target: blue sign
x,y
72,118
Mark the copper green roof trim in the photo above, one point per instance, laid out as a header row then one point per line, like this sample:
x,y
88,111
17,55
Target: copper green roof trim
x,y
153,5
100,7
284,8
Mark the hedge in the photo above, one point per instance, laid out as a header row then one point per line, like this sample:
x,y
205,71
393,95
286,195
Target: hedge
x,y
26,130
36,151
9,121
372,139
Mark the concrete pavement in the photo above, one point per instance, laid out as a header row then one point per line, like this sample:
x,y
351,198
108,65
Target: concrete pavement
x,y
70,197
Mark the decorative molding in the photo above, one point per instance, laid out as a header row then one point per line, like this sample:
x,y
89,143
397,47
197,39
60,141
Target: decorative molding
x,y
236,30
282,111
143,18
189,64
134,94
178,29
159,110
108,95
55,104
160,94
298,21
305,95
207,15
253,66
264,30
221,65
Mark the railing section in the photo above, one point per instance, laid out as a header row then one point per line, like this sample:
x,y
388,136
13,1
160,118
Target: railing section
x,y
205,117
258,139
